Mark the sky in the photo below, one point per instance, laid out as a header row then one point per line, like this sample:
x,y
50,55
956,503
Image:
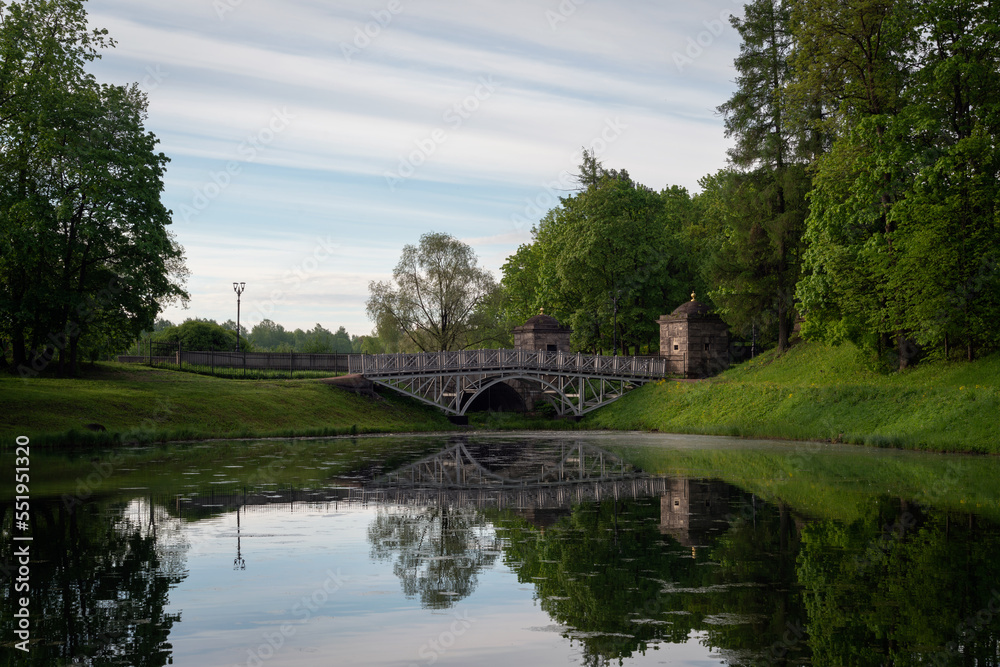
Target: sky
x,y
310,141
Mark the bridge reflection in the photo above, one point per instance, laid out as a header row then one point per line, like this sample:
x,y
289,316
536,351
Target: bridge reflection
x,y
487,473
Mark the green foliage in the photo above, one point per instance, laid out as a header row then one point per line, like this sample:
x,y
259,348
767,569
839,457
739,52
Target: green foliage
x,y
198,335
903,223
615,253
439,298
86,255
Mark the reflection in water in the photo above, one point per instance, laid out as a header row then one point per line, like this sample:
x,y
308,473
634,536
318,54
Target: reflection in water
x,y
624,564
239,563
438,551
100,575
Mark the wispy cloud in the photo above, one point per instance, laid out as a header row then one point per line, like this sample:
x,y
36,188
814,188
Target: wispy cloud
x,y
220,80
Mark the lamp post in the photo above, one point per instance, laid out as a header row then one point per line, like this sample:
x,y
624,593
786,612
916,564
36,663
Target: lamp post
x,y
238,288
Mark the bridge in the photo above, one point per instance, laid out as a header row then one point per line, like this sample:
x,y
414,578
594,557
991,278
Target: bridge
x,y
574,383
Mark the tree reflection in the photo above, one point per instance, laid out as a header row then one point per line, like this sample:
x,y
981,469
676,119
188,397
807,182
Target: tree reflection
x,y
439,551
100,574
903,586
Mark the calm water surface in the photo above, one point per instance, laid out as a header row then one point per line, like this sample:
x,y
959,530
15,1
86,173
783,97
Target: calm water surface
x,y
545,549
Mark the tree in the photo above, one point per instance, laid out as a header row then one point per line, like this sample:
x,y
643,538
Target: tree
x,y
268,335
318,340
853,57
758,259
86,254
200,335
903,221
341,341
437,296
607,261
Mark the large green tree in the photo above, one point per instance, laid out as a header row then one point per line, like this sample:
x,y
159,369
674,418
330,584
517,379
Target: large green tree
x,y
607,261
903,220
852,56
86,254
437,297
762,208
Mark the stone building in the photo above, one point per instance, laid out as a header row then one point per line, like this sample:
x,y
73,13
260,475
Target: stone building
x,y
542,332
694,340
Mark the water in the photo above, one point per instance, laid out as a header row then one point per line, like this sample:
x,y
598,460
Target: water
x,y
497,550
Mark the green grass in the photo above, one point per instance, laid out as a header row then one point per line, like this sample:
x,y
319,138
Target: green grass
x,y
815,392
136,403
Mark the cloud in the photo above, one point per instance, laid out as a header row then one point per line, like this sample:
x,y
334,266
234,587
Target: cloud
x,y
355,122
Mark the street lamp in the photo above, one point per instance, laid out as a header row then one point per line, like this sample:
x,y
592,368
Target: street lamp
x,y
238,288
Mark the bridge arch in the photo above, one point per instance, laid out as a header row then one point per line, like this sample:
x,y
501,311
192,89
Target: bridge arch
x,y
499,397
562,405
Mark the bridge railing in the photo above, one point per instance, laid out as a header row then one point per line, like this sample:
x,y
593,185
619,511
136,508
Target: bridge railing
x,y
500,360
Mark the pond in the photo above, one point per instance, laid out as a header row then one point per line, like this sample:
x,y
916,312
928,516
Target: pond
x,y
530,549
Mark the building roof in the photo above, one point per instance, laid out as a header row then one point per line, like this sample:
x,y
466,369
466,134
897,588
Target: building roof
x,y
541,321
691,309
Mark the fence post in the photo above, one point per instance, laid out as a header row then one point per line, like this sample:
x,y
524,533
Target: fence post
x,y
291,360
213,360
180,358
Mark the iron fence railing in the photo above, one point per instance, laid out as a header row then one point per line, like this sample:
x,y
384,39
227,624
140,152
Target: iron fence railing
x,y
503,360
422,363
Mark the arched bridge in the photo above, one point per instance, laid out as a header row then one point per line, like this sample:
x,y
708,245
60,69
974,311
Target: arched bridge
x,y
574,383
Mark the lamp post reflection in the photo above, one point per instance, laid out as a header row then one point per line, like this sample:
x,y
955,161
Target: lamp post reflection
x,y
238,562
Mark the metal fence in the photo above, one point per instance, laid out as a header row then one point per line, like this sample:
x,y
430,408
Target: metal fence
x,y
271,361
172,354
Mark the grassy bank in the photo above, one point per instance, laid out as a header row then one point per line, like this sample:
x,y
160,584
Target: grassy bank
x,y
814,392
154,405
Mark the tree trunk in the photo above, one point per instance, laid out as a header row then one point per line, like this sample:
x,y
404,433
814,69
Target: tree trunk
x,y
784,328
73,345
18,349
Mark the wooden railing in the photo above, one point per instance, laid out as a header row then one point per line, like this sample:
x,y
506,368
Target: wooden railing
x,y
511,360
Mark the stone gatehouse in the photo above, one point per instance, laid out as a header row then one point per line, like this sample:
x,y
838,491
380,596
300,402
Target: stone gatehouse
x,y
694,340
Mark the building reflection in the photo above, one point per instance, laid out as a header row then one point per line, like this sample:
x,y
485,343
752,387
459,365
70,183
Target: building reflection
x,y
694,511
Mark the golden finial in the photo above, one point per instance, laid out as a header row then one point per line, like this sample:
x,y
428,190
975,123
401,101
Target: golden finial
x,y
692,296
541,311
